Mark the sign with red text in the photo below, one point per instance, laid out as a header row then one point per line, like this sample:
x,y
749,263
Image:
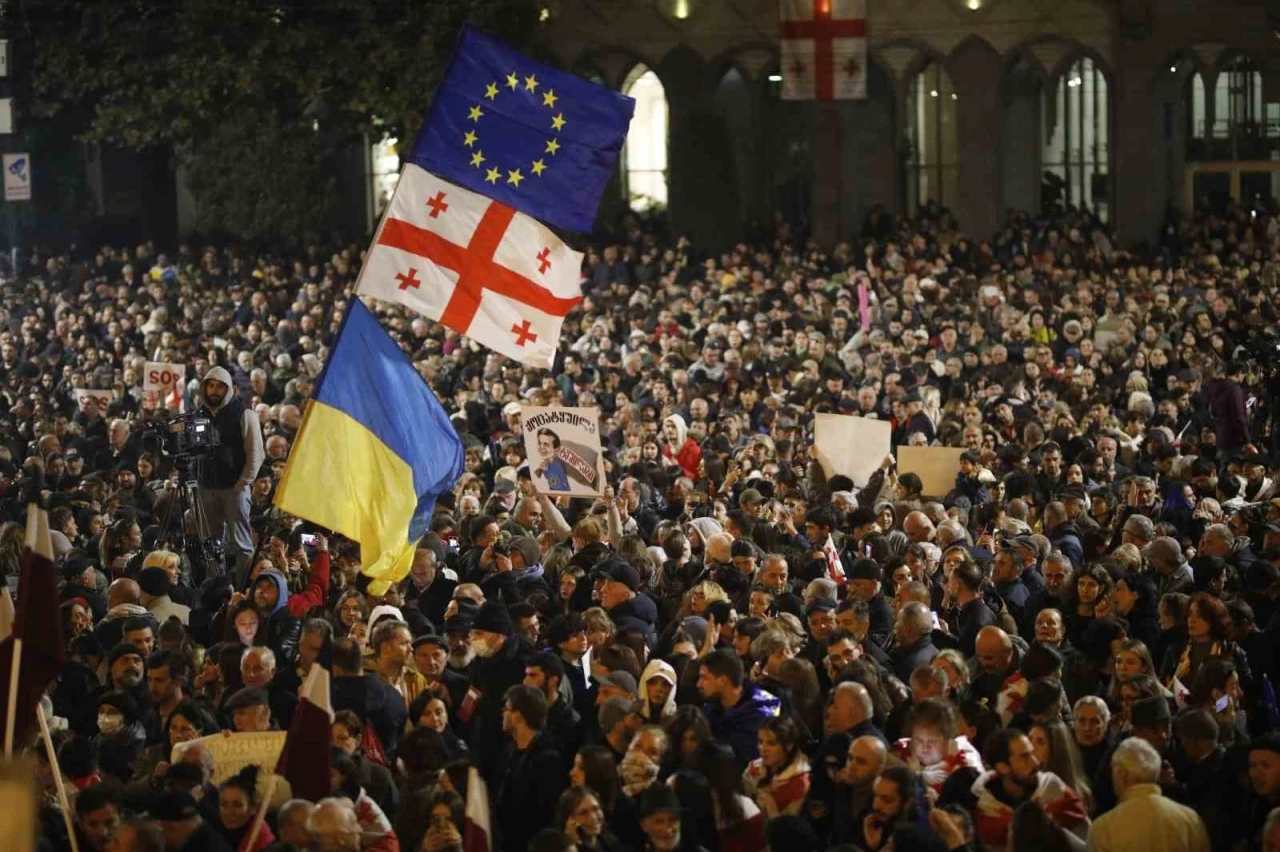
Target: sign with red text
x,y
162,386
87,398
563,448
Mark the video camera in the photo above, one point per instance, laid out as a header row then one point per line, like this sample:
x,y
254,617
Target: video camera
x,y
186,435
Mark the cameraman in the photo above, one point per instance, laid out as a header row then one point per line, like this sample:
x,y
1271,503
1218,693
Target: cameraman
x,y
227,474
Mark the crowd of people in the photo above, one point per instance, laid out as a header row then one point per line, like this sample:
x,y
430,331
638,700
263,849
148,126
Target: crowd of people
x,y
734,648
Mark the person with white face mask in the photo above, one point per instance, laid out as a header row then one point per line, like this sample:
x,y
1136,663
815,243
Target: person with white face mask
x,y
121,735
499,665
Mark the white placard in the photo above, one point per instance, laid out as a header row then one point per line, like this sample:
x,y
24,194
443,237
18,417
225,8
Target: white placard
x,y
17,174
101,398
162,386
563,448
853,446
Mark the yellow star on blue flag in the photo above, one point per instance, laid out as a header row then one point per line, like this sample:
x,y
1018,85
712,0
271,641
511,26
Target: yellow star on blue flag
x,y
542,111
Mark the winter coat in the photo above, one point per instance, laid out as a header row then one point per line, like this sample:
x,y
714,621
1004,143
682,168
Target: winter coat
x,y
738,725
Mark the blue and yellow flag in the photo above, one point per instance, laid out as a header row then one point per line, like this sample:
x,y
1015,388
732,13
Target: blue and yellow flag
x,y
522,133
375,450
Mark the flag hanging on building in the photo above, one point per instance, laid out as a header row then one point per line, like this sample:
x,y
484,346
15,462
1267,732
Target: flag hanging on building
x,y
824,49
374,451
474,265
539,140
303,762
37,622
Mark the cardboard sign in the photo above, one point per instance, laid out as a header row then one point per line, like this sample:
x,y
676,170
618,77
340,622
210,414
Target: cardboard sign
x,y
936,466
563,449
100,398
853,446
232,752
162,386
21,797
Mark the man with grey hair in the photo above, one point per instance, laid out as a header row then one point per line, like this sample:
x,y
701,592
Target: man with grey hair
x,y
291,822
913,631
819,588
1164,555
949,532
1218,540
1145,819
334,827
1138,530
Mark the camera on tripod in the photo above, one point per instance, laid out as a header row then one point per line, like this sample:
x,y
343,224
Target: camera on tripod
x,y
187,441
186,435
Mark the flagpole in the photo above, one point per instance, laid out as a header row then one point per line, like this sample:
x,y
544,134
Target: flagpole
x,y
58,784
11,711
262,811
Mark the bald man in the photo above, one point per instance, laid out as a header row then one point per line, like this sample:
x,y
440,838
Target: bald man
x,y
849,711
846,720
997,661
918,527
719,549
867,758
123,602
837,804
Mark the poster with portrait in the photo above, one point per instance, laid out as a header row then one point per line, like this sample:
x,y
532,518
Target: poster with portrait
x,y
563,449
100,399
162,386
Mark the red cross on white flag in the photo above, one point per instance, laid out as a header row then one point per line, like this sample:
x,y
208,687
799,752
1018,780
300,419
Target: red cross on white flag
x,y
475,265
824,49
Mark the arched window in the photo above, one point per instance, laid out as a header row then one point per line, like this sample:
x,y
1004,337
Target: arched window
x,y
384,172
932,167
1199,118
644,156
1077,149
1237,99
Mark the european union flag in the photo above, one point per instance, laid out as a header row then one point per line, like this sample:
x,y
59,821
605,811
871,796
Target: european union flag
x,y
520,132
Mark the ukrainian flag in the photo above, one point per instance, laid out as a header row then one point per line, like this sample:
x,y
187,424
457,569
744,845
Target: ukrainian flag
x,y
375,450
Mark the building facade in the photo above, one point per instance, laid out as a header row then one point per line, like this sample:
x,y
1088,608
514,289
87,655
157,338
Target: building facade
x,y
1127,106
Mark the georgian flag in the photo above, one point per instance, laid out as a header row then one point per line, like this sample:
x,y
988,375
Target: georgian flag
x,y
474,265
824,49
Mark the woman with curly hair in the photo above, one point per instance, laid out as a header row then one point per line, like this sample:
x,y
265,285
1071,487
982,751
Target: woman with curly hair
x,y
237,806
1208,638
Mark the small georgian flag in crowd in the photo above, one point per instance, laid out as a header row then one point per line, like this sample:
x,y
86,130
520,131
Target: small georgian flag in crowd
x,y
479,834
835,568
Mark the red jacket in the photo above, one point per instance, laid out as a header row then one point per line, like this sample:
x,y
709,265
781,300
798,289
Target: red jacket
x,y
316,594
688,458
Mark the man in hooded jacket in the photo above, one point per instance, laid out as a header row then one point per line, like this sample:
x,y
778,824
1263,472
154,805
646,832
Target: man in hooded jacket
x,y
228,473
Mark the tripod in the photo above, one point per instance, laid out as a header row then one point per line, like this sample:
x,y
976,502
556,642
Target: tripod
x,y
207,553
